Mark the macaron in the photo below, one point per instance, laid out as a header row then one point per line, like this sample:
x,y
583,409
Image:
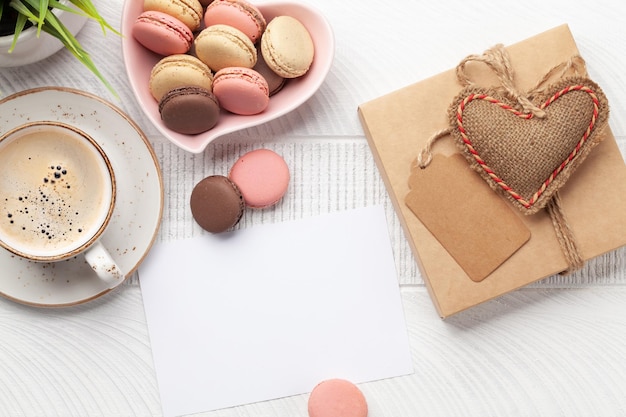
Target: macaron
x,y
337,398
241,91
287,47
162,33
189,110
275,82
187,11
262,176
239,14
221,46
216,204
177,71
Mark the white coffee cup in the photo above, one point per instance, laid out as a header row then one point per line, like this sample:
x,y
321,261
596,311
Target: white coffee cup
x,y
57,196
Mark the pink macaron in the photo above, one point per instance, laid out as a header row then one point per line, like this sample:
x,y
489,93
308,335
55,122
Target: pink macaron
x,y
241,90
262,176
337,398
239,14
162,33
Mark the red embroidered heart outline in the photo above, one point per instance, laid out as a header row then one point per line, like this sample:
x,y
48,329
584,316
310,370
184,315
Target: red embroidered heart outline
x,y
587,139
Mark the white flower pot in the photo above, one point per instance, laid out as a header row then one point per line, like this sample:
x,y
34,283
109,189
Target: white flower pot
x,y
31,48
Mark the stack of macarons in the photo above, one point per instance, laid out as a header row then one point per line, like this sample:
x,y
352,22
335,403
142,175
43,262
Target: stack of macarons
x,y
218,54
258,179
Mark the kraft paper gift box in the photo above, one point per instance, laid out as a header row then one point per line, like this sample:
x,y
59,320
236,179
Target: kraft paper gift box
x,y
399,124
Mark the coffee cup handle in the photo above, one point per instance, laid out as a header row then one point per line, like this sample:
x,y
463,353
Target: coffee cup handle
x,y
103,264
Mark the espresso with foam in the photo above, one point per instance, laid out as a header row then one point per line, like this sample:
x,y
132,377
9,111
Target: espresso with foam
x,y
55,191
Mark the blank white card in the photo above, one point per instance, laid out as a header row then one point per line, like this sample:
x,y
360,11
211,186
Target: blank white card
x,y
270,311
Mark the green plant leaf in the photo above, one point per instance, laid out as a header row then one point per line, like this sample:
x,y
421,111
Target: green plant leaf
x,y
37,8
19,27
90,10
39,13
71,44
24,11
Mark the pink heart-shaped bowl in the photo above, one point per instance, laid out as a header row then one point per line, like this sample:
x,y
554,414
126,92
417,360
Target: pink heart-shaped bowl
x,y
139,62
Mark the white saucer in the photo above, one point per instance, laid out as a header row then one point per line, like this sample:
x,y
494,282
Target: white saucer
x,y
138,211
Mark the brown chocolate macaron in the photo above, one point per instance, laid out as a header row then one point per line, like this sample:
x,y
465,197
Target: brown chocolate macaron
x,y
216,204
189,110
274,81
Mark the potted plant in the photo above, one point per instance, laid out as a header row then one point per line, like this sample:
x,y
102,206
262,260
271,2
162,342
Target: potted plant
x,y
19,17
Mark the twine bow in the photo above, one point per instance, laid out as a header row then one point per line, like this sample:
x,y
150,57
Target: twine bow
x,y
497,59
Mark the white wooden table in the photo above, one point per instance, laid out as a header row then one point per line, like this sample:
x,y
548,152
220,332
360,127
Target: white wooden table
x,y
555,348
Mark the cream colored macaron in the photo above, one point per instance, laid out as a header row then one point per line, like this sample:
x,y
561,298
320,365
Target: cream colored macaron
x,y
177,71
287,47
190,12
221,46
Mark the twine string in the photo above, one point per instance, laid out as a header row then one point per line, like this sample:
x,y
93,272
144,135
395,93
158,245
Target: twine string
x,y
575,64
425,156
564,235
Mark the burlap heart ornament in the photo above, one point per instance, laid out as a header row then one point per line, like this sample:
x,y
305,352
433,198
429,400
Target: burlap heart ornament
x,y
527,144
526,157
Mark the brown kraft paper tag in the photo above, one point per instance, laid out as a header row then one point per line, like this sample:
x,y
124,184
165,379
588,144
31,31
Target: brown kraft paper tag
x,y
475,225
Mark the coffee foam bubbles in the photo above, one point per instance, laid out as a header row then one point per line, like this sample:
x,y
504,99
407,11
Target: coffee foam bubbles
x,y
54,190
